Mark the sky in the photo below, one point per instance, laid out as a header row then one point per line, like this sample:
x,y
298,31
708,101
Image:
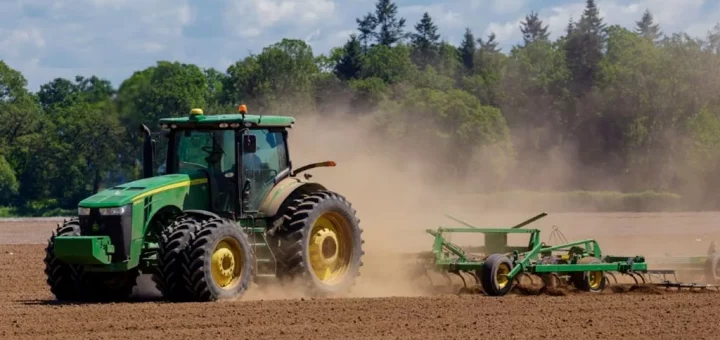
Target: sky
x,y
111,39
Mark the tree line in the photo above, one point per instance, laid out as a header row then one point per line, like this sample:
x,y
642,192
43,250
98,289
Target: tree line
x,y
602,107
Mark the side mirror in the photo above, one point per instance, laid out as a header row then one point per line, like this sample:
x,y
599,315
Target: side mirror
x,y
249,143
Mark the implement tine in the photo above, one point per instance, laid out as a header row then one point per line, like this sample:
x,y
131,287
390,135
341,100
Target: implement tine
x,y
640,275
461,278
633,277
613,276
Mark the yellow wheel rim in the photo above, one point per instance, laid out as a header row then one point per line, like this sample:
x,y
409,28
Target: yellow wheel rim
x,y
226,263
595,279
330,247
501,276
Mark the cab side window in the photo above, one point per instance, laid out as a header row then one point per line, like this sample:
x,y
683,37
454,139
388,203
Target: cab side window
x,y
271,150
282,151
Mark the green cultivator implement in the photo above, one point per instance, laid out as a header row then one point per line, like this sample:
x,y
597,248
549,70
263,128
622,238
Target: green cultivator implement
x,y
495,268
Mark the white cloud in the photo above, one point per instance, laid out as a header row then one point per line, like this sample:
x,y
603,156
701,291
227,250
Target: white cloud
x,y
508,6
444,16
251,18
24,36
504,32
63,38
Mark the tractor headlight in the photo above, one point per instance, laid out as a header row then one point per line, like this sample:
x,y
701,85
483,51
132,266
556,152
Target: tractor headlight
x,y
82,211
116,211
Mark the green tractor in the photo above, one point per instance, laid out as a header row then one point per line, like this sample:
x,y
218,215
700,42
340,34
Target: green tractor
x,y
229,209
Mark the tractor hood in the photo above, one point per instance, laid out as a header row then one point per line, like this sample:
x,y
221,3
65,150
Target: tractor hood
x,y
132,191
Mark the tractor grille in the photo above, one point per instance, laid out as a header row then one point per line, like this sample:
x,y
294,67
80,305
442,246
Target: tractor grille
x,y
118,228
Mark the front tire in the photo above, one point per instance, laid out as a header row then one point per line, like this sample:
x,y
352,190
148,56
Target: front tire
x,y
320,243
62,277
219,260
169,275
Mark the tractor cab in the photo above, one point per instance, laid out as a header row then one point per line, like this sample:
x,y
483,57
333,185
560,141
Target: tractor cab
x,y
241,156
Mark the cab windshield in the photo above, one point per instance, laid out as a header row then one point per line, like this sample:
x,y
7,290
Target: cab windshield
x,y
205,150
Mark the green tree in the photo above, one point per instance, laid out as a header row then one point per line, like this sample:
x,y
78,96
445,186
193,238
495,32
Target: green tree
x,y
280,79
8,182
351,63
215,96
489,46
367,26
391,28
533,30
425,42
22,137
584,46
489,63
391,64
467,50
647,28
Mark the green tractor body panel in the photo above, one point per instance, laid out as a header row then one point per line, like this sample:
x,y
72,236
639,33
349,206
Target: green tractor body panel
x,y
168,187
90,250
122,214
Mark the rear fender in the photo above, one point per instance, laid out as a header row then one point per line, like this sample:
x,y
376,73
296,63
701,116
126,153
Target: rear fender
x,y
283,192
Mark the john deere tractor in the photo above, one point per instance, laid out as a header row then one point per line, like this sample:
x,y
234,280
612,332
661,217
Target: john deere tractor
x,y
228,209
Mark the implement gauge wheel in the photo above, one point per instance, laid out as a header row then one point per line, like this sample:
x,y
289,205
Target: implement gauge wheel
x,y
593,282
320,243
494,275
219,261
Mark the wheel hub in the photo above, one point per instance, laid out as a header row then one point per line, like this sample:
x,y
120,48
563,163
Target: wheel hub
x,y
502,276
224,264
324,249
329,248
595,279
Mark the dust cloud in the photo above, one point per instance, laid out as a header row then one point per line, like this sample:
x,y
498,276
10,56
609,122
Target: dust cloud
x,y
394,198
393,190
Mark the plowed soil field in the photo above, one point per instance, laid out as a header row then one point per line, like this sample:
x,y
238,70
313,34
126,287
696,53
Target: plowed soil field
x,y
384,306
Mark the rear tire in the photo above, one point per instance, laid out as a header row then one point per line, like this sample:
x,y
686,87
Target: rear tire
x,y
62,277
219,260
320,243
